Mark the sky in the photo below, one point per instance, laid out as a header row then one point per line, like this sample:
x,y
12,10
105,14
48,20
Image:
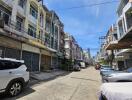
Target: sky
x,y
85,24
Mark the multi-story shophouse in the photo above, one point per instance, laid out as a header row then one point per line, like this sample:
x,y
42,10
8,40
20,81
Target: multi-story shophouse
x,y
57,39
68,46
111,47
124,24
20,36
120,41
25,33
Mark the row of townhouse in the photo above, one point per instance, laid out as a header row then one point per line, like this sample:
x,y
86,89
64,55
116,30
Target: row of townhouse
x,y
74,52
29,31
117,49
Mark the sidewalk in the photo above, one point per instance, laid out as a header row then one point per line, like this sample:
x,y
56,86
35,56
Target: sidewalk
x,y
45,76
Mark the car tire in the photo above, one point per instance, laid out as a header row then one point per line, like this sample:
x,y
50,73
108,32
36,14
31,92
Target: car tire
x,y
15,89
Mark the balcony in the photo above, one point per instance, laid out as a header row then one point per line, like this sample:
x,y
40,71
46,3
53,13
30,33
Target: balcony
x,y
8,2
127,35
32,19
21,11
12,29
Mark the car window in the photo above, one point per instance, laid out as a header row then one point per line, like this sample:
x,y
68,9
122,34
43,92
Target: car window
x,y
9,65
129,70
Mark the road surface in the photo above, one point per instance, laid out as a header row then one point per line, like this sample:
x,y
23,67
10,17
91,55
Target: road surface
x,y
82,85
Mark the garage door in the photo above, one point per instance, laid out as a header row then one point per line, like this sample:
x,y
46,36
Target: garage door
x,y
1,51
31,60
12,53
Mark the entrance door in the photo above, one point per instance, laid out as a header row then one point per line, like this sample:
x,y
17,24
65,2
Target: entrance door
x,y
26,56
31,60
35,62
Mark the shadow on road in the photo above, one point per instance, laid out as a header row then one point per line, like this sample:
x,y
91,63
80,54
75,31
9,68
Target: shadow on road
x,y
84,79
28,90
37,82
25,92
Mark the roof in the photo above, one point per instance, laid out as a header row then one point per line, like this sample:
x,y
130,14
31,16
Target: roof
x,y
117,91
10,59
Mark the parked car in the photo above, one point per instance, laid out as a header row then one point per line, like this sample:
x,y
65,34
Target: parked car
x,y
13,76
82,64
116,91
119,77
105,68
76,67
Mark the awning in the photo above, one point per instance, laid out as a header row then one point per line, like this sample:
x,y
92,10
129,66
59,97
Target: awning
x,y
9,42
45,52
119,45
37,44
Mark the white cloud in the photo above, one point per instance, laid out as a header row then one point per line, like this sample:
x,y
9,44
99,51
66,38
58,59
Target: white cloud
x,y
95,10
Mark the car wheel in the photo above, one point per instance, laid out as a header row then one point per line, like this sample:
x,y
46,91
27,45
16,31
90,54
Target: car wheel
x,y
15,89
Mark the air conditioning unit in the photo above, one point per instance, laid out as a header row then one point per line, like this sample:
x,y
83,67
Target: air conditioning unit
x,y
1,23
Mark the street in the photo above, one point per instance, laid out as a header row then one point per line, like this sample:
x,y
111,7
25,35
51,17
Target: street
x,y
83,85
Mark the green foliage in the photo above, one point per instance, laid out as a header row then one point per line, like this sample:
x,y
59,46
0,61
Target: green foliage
x,y
104,62
67,64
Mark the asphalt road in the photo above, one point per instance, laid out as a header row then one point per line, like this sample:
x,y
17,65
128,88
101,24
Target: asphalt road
x,y
83,85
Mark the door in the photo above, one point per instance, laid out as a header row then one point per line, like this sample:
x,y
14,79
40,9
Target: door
x,y
31,60
35,62
121,65
128,63
26,56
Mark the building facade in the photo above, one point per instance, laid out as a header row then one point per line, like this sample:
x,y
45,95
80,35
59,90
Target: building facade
x,y
31,32
118,42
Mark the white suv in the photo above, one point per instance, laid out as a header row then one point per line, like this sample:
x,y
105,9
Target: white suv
x,y
13,76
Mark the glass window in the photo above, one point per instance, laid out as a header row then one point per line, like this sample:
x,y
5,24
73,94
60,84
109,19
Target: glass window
x,y
4,65
33,12
6,18
19,23
21,3
32,31
41,19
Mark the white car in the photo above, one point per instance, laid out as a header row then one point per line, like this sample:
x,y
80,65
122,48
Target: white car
x,y
82,64
116,91
13,76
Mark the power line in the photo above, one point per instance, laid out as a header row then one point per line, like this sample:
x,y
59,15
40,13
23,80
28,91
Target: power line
x,y
90,5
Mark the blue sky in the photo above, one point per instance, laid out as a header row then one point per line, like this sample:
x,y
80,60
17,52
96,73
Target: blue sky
x,y
85,24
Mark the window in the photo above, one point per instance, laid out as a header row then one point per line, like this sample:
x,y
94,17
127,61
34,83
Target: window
x,y
47,40
48,26
19,23
5,16
4,65
52,42
41,20
33,12
21,3
31,31
56,32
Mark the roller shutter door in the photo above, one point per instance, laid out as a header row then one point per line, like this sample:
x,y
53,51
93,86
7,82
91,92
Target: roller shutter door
x,y
12,53
31,60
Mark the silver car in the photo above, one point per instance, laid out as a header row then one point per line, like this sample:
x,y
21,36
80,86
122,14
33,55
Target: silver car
x,y
119,77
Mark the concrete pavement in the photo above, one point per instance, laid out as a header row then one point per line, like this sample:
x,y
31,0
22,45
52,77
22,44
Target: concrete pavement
x,y
83,85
